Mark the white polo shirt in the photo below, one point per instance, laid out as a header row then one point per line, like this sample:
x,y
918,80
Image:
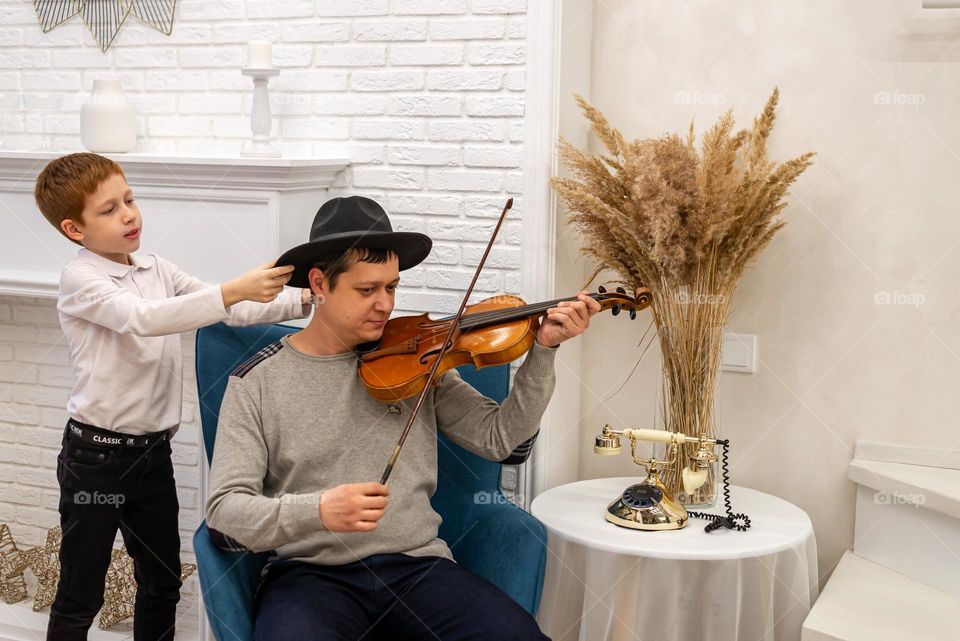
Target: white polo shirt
x,y
122,323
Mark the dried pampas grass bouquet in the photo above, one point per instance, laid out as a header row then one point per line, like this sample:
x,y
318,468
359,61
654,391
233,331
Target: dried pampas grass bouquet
x,y
685,223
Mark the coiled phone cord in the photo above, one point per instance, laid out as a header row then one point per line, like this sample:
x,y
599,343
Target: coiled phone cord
x,y
732,521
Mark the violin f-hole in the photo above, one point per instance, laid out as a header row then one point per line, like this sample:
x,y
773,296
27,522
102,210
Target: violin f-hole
x,y
408,346
426,355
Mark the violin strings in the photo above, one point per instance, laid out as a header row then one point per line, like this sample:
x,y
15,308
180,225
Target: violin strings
x,y
503,313
513,312
470,321
479,319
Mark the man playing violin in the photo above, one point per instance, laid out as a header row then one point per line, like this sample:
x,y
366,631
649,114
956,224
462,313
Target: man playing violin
x,y
300,440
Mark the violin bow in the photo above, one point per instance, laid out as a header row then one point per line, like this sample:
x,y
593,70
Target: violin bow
x,y
447,344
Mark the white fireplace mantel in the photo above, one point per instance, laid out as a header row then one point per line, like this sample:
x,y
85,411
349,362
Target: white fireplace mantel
x,y
214,217
280,174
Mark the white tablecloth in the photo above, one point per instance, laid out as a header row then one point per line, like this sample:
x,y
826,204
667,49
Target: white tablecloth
x,y
607,583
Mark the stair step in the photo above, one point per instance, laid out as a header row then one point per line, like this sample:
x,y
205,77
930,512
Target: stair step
x,y
864,601
933,488
908,512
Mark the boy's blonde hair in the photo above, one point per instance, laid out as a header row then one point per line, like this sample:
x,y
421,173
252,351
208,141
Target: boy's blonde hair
x,y
64,184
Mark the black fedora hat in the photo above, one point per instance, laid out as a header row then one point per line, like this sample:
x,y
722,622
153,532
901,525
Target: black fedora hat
x,y
345,223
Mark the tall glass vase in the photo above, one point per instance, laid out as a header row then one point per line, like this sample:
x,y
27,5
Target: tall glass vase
x,y
705,496
690,319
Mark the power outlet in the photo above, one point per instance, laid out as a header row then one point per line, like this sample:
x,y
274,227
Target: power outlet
x,y
739,353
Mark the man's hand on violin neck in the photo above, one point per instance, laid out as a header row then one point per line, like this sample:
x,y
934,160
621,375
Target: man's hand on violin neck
x,y
568,319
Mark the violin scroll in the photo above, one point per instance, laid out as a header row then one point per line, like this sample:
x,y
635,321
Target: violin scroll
x,y
616,302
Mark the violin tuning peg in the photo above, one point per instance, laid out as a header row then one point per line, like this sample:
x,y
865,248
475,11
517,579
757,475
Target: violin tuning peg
x,y
602,289
633,313
621,290
615,310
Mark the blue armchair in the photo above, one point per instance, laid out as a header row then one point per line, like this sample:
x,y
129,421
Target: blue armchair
x,y
486,533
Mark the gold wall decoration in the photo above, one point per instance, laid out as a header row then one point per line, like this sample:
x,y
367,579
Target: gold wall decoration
x,y
44,562
121,588
105,17
13,562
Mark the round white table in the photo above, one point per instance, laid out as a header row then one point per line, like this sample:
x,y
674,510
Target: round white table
x,y
609,583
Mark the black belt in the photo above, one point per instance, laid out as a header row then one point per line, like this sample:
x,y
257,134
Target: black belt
x,y
108,438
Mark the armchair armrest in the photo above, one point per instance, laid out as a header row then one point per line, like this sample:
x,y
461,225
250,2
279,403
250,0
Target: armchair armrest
x,y
508,547
228,581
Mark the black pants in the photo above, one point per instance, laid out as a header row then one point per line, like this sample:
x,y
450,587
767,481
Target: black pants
x,y
102,489
387,596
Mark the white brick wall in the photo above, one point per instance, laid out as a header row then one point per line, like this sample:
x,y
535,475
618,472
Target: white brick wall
x,y
443,77
425,96
343,64
35,381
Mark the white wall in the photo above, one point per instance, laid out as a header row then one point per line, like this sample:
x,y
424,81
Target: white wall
x,y
35,380
425,97
870,86
558,452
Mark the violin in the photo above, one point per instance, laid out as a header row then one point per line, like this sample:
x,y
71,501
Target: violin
x,y
408,357
492,332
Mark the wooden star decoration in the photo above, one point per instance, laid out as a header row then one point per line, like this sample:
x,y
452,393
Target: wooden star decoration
x,y
13,562
105,17
120,591
44,562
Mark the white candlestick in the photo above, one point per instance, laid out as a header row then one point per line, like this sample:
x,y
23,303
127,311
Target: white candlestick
x,y
260,119
259,54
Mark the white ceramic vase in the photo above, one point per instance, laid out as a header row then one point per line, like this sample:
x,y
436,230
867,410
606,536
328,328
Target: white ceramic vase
x,y
107,121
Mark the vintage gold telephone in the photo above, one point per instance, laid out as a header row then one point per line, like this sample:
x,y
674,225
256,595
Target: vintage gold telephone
x,y
648,505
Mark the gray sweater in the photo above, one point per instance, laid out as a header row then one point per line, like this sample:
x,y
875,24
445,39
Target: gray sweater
x,y
292,425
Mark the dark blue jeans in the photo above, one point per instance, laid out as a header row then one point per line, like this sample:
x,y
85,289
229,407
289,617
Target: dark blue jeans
x,y
390,597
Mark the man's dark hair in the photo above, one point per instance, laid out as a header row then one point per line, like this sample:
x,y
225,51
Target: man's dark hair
x,y
335,264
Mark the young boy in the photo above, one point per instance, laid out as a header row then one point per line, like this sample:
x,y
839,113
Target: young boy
x,y
121,315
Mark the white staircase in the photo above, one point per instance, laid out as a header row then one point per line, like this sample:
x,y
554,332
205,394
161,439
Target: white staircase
x,y
901,581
